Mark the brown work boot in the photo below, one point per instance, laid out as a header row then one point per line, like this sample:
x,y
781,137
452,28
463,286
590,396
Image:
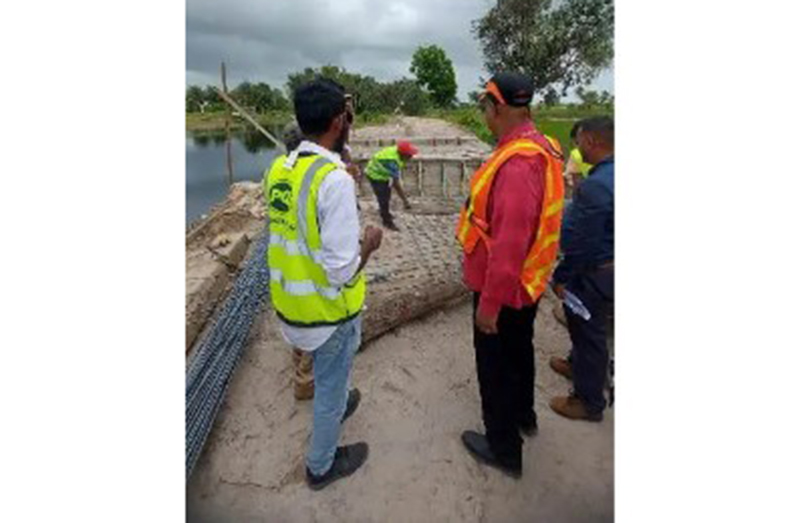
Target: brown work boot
x,y
303,375
304,391
562,367
572,407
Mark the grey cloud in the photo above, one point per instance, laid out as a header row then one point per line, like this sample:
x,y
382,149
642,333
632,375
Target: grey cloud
x,y
267,40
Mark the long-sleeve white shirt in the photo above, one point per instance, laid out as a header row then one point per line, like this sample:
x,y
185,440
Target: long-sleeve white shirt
x,y
339,228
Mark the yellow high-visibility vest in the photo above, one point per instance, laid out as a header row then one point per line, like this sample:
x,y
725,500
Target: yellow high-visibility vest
x,y
376,171
301,294
583,167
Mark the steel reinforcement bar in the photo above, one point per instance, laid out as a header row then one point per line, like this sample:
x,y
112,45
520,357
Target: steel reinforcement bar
x,y
215,358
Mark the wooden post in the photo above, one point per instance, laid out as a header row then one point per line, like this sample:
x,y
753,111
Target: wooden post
x,y
420,178
443,180
228,138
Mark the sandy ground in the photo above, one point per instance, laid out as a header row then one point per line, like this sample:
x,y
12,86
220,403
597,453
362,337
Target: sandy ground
x,y
419,393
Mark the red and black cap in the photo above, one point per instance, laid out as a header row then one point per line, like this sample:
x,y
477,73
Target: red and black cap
x,y
512,89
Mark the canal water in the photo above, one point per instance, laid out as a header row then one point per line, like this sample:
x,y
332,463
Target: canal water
x,y
207,180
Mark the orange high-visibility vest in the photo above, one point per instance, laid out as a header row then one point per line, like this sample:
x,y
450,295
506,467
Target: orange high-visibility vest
x,y
473,226
555,144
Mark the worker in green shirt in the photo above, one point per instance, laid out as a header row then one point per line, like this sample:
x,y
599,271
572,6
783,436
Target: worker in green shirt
x,y
384,171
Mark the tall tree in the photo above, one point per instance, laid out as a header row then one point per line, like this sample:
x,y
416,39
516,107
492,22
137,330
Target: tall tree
x,y
435,72
194,98
551,97
369,92
244,94
404,95
588,98
560,47
212,98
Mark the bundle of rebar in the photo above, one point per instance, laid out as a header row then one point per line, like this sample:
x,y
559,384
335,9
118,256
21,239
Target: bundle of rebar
x,y
215,358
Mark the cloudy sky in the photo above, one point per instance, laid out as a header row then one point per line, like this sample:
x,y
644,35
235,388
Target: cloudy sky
x,y
265,40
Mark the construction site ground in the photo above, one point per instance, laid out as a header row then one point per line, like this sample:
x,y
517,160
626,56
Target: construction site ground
x,y
418,380
419,393
421,131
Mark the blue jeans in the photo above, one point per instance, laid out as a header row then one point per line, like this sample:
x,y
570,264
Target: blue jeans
x,y
332,363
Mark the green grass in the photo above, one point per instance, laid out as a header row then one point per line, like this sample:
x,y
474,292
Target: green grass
x,y
559,129
571,112
468,118
556,121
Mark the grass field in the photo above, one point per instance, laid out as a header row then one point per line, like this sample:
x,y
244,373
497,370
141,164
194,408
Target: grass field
x,y
553,121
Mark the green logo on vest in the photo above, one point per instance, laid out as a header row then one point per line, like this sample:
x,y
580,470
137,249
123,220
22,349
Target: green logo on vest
x,y
280,196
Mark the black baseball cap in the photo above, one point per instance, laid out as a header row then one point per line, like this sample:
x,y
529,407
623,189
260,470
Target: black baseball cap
x,y
514,89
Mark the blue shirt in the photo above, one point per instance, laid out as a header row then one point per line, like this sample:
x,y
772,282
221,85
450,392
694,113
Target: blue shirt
x,y
588,229
393,168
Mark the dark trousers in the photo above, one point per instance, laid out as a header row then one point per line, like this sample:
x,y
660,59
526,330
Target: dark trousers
x,y
506,374
382,190
589,355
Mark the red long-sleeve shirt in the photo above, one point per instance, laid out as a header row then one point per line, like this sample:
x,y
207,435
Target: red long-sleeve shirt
x,y
514,207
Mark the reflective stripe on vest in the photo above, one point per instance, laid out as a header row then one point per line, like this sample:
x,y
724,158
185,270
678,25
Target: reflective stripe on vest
x,y
555,145
300,291
473,226
376,171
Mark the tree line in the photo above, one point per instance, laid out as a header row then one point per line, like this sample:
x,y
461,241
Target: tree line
x,y
433,86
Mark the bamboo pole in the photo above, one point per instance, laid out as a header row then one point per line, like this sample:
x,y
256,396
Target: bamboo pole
x,y
280,145
228,138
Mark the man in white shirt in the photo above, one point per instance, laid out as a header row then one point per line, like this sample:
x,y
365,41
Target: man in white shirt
x,y
315,262
303,360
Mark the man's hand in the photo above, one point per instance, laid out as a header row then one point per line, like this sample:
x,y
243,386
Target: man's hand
x,y
372,238
487,324
559,290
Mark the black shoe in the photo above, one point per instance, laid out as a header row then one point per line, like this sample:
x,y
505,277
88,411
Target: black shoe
x,y
478,446
351,403
390,226
529,428
348,459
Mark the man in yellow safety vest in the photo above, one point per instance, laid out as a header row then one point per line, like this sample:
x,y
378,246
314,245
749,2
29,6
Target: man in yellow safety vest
x,y
384,171
316,262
